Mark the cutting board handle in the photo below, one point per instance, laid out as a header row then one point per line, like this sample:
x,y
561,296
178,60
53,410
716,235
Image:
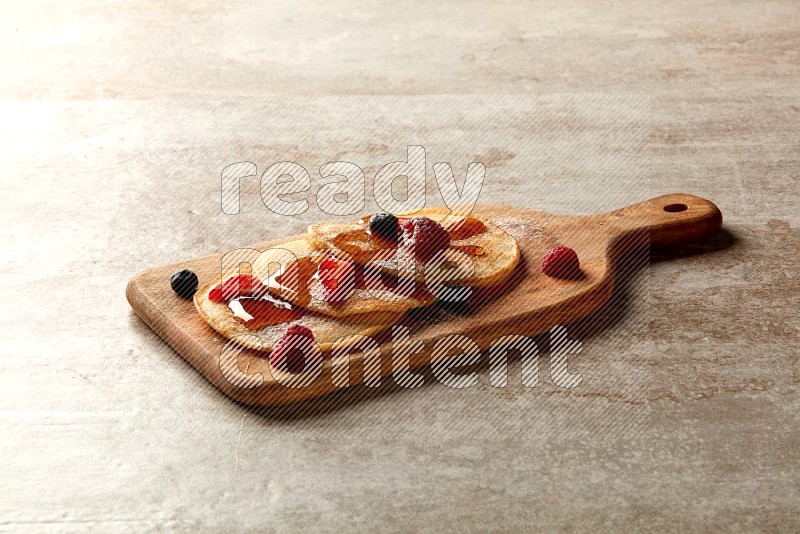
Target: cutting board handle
x,y
669,219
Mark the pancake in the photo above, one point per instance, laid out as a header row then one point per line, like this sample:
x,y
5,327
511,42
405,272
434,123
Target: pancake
x,y
289,271
327,330
499,251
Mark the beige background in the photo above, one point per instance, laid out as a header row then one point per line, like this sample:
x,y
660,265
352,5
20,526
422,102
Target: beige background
x,y
117,120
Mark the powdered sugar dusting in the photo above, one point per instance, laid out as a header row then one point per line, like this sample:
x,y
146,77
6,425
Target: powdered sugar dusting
x,y
519,228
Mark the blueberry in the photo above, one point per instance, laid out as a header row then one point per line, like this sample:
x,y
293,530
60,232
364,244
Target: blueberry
x,y
184,283
455,298
384,225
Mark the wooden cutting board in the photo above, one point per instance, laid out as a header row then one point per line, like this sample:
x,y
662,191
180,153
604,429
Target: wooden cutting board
x,y
527,303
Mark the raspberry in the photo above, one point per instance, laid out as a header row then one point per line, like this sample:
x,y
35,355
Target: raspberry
x,y
338,279
243,285
292,349
424,236
561,262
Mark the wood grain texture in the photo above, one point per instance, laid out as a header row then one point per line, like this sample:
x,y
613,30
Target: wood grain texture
x,y
527,303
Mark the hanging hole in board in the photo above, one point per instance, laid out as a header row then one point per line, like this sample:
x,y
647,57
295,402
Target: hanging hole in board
x,y
675,208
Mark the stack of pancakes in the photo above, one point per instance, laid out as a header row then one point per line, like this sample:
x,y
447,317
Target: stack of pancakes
x,y
391,280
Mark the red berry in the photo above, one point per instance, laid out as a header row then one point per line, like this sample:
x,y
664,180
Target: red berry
x,y
561,262
215,295
243,285
424,236
292,350
338,279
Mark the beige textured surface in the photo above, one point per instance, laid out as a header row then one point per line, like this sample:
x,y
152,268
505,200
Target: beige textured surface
x,y
117,120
